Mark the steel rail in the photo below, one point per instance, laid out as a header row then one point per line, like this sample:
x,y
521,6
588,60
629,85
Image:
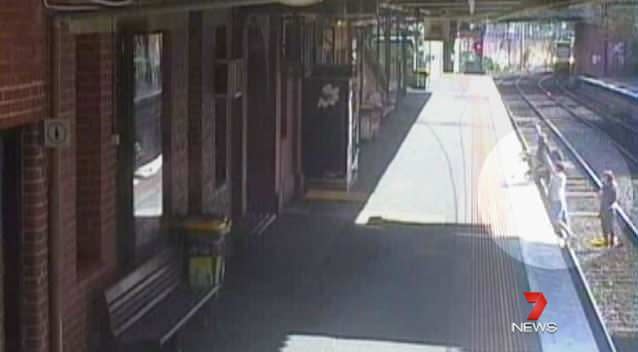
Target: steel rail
x,y
626,153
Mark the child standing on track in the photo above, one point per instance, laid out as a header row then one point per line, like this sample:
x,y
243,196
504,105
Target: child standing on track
x,y
608,197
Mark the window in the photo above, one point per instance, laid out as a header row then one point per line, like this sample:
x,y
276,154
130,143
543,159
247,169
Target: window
x,y
147,178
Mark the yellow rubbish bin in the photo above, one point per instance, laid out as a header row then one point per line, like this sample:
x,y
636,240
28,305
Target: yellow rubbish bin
x,y
205,244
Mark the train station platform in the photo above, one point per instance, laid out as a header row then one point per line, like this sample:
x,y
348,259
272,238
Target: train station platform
x,y
624,86
435,258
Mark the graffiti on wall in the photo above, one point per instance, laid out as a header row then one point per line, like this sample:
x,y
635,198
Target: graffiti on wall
x,y
329,96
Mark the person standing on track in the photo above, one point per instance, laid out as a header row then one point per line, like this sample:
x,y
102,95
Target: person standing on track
x,y
540,169
608,195
558,199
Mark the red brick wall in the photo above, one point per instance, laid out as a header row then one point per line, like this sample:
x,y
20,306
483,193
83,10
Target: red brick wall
x,y
96,157
22,101
205,197
64,90
288,141
83,94
588,50
86,177
196,113
22,62
177,117
35,275
589,42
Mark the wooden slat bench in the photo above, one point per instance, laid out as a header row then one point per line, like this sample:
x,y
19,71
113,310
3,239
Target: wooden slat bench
x,y
149,306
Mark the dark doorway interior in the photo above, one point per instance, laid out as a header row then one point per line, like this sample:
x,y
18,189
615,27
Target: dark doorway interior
x,y
262,125
10,215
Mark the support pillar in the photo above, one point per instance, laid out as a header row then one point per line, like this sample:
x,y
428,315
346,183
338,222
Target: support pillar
x,y
35,257
387,32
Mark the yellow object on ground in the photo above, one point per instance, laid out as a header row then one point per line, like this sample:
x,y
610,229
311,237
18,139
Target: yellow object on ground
x,y
598,242
335,195
221,226
205,271
201,272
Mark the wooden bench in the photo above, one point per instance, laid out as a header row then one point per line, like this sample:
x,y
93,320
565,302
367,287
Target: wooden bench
x,y
149,306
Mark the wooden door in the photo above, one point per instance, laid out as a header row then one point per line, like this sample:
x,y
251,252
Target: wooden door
x,y
261,124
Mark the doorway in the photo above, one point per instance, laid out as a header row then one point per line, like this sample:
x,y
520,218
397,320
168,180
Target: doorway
x,y
261,124
433,58
141,159
11,232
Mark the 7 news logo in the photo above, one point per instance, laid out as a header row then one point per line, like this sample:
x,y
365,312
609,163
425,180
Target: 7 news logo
x,y
532,325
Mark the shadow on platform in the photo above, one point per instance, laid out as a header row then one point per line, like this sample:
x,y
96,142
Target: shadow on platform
x,y
325,284
316,281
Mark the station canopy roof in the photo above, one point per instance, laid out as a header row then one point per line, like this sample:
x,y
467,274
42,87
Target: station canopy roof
x,y
493,10
502,10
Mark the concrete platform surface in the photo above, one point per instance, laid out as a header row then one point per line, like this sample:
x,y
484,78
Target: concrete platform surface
x,y
627,86
467,235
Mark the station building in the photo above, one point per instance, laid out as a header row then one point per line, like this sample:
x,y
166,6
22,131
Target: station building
x,y
116,118
165,110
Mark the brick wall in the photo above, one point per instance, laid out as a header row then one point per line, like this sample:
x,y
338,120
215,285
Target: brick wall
x,y
22,102
83,94
22,62
64,91
177,117
86,181
207,148
35,276
2,268
196,113
95,159
204,196
589,51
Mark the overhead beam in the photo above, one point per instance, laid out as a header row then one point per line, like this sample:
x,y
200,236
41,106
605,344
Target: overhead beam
x,y
464,7
443,4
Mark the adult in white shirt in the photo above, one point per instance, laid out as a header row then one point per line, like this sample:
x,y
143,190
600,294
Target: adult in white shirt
x,y
557,198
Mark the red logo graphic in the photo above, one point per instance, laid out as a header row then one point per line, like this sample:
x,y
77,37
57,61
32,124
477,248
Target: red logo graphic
x,y
540,302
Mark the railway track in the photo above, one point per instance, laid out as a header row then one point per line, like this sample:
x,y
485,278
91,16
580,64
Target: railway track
x,y
621,125
609,275
620,134
621,128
